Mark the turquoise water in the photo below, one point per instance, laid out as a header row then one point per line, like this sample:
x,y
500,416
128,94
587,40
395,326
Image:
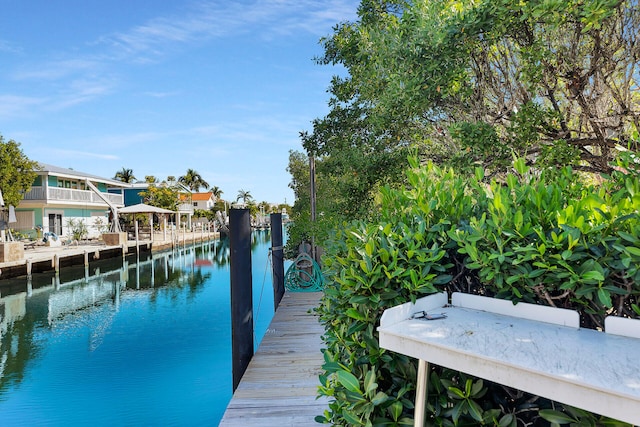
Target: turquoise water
x,y
144,342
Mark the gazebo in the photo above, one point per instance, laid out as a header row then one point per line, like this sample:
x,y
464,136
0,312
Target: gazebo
x,y
143,208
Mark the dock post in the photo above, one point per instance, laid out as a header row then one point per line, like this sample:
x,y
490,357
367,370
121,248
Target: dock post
x,y
241,292
137,242
29,268
56,263
277,258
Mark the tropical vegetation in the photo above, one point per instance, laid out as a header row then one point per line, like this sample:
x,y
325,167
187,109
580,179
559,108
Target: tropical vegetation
x,y
193,180
245,196
125,175
521,123
543,238
17,172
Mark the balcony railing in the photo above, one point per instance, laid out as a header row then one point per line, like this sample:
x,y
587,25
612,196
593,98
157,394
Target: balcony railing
x,y
57,194
185,208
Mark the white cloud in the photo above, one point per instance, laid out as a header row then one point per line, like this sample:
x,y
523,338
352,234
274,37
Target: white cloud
x,y
6,46
161,94
60,154
82,78
55,69
80,91
13,105
213,19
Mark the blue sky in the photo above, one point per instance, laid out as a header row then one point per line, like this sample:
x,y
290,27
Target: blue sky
x,y
220,86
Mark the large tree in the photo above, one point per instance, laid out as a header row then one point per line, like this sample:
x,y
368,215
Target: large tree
x,y
125,175
217,192
245,196
476,82
473,84
17,172
162,196
331,204
193,180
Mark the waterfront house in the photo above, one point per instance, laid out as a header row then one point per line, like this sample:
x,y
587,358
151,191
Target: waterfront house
x,y
132,196
203,201
60,197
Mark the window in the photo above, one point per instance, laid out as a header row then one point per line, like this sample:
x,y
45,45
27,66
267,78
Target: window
x,y
25,220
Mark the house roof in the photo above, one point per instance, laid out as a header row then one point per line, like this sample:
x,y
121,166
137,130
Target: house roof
x,y
196,197
143,208
48,169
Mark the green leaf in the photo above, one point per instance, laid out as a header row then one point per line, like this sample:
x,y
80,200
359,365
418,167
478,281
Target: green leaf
x,y
369,247
604,297
633,250
348,381
355,314
592,275
506,421
628,237
395,410
477,387
475,410
555,416
442,279
379,398
351,418
370,384
457,392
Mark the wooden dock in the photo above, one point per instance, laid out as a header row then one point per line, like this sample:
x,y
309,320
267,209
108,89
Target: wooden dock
x,y
280,385
41,258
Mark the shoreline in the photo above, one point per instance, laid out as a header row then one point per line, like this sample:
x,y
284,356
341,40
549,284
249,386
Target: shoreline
x,y
42,258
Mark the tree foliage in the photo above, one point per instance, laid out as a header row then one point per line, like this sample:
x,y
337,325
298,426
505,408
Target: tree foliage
x,y
548,239
193,180
475,82
473,85
17,172
125,175
217,192
245,196
331,203
162,196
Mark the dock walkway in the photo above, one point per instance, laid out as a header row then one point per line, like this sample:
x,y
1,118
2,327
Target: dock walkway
x,y
41,258
279,387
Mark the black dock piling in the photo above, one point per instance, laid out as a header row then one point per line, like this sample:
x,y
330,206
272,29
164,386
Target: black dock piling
x,y
277,258
241,292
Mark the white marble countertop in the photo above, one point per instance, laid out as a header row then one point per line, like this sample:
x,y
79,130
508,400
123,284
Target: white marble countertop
x,y
589,369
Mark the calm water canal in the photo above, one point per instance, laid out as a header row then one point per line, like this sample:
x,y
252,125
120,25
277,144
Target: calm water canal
x,y
144,342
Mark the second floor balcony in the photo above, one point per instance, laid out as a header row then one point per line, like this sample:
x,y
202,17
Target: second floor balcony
x,y
185,208
68,195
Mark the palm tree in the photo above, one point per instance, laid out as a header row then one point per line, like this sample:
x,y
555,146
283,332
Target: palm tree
x,y
217,192
193,180
245,196
125,175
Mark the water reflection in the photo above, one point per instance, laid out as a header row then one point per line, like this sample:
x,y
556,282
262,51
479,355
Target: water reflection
x,y
167,313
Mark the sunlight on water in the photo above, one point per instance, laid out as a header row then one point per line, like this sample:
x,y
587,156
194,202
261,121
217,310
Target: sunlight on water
x,y
144,343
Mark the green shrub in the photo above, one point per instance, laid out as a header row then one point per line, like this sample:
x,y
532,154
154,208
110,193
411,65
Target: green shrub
x,y
77,229
542,238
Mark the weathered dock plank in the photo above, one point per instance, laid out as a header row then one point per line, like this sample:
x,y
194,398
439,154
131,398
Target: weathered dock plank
x,y
280,385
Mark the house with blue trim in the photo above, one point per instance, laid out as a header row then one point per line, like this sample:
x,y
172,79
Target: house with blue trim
x,y
60,196
185,207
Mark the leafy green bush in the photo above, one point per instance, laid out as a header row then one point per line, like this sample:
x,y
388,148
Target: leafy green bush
x,y
77,228
542,238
